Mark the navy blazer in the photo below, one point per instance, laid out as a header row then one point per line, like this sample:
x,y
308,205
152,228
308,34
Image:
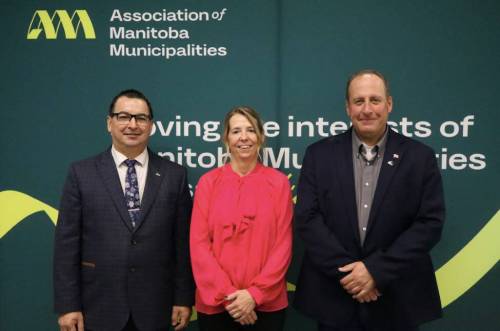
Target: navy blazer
x,y
109,270
405,222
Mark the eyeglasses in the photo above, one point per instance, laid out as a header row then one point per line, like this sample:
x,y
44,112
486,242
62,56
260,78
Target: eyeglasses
x,y
125,118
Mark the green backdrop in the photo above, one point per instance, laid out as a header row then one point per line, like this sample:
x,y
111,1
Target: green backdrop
x,y
289,60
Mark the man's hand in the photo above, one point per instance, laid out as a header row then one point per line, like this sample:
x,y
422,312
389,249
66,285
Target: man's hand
x,y
242,304
180,317
71,321
367,296
359,282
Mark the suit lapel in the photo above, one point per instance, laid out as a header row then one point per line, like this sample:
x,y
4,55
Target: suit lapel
x,y
155,176
107,170
346,179
392,157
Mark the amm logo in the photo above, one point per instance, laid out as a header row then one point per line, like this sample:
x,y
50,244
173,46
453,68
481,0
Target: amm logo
x,y
50,25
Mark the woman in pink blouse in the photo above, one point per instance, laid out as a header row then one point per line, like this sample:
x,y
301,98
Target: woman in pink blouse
x,y
241,235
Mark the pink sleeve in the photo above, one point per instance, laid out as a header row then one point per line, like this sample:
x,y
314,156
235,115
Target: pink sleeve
x,y
212,282
267,286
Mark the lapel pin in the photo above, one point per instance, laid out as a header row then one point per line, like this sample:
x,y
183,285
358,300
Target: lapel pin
x,y
157,174
390,163
396,156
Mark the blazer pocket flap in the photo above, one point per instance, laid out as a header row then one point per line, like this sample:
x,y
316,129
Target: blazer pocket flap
x,y
88,264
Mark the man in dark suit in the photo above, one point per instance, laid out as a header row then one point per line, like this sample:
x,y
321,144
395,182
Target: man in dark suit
x,y
121,251
370,207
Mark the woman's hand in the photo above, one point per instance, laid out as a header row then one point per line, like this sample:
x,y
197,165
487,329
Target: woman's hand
x,y
249,319
242,307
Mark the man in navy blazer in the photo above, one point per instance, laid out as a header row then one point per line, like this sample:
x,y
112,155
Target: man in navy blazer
x,y
370,207
121,251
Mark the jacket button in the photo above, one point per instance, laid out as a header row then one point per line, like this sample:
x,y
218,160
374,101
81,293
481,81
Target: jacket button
x,y
133,242
132,269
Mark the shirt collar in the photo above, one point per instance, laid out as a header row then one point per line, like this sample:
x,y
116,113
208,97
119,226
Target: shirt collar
x,y
119,158
356,142
228,169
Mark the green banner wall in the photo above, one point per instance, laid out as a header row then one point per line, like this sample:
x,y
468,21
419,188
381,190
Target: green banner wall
x,y
62,61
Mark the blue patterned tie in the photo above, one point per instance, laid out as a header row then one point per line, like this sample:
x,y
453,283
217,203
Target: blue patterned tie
x,y
132,192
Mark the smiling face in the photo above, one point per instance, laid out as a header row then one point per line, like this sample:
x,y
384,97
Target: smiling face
x,y
368,106
242,139
129,138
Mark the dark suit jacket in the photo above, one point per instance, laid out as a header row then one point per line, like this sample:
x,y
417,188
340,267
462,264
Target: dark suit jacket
x,y
405,222
107,269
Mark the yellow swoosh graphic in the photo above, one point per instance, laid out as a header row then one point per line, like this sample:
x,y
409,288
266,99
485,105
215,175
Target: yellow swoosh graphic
x,y
16,206
472,262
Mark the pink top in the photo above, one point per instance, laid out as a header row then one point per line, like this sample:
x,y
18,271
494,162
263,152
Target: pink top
x,y
241,237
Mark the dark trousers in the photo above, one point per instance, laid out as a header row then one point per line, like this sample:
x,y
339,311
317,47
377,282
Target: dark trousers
x,y
130,326
356,324
266,321
358,327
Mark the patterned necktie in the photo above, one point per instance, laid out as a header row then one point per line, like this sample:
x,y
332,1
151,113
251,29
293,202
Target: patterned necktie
x,y
132,192
368,154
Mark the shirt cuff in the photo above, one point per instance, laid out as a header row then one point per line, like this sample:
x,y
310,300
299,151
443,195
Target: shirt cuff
x,y
222,296
256,295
